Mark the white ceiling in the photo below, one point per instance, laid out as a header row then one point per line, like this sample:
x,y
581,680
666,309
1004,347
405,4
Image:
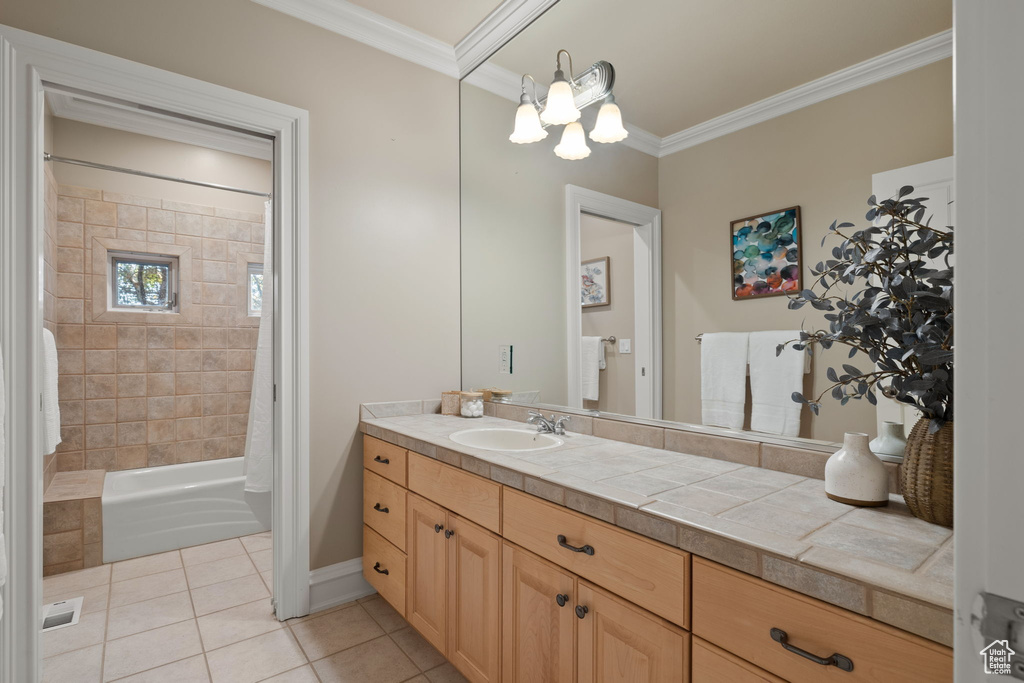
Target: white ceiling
x,y
447,20
679,63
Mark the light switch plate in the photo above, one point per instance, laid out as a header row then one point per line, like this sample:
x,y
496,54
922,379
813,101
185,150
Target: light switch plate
x,y
505,360
625,346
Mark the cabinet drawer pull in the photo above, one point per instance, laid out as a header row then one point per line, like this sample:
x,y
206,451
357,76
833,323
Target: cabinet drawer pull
x,y
837,660
378,508
586,549
561,599
438,528
382,461
376,568
581,611
449,533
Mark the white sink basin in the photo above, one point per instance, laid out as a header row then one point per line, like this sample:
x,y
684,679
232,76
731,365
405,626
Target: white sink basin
x,y
497,439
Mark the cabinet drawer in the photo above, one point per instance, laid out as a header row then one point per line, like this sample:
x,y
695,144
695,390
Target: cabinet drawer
x,y
714,665
386,459
737,612
384,508
652,575
465,494
384,568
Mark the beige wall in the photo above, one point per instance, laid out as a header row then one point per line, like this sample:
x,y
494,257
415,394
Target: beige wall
x,y
77,140
384,212
513,242
600,237
821,158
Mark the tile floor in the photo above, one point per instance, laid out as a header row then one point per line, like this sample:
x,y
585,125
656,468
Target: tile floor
x,y
203,614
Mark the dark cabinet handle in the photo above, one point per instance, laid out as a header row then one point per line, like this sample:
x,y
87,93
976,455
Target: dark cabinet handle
x,y
586,549
382,461
376,568
561,599
448,533
581,611
378,508
836,660
438,528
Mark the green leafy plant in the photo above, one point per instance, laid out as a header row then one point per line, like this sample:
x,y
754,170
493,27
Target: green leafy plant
x,y
887,294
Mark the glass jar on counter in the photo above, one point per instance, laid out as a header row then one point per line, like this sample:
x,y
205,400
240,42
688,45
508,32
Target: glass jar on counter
x,y
472,404
501,396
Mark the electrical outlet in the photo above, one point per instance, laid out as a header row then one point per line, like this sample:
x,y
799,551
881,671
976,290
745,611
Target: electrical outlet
x,y
625,346
505,360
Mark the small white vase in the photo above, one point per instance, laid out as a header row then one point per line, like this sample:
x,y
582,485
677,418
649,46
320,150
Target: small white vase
x,y
891,442
855,476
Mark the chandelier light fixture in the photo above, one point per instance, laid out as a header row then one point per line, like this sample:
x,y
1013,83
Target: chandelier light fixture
x,y
566,97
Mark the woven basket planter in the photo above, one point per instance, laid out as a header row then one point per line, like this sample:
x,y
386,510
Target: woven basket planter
x,y
926,476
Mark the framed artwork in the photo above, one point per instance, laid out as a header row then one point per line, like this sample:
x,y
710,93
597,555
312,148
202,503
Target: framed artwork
x,y
595,282
766,254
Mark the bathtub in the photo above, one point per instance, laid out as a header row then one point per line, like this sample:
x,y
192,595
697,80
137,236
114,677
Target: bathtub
x,y
156,509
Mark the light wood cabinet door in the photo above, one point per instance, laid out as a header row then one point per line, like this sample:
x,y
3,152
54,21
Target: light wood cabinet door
x,y
617,642
426,587
713,665
538,633
474,600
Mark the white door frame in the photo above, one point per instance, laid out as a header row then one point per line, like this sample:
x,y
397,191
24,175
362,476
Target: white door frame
x,y
988,467
647,292
26,61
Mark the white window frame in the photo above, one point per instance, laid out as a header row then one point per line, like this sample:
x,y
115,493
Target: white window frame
x,y
173,286
252,268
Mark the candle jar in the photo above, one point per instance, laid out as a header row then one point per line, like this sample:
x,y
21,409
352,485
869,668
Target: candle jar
x,y
472,404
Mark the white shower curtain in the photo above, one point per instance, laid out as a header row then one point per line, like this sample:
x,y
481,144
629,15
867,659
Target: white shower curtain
x,y
259,437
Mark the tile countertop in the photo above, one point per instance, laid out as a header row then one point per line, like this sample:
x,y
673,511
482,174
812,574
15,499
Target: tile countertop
x,y
879,562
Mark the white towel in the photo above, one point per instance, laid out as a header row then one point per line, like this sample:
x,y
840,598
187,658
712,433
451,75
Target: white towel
x,y
723,378
773,379
51,409
259,437
3,451
590,360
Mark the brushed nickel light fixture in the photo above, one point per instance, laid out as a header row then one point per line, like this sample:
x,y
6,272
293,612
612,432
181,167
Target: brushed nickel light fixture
x,y
562,107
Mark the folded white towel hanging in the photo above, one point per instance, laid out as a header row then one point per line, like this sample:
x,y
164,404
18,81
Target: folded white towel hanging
x,y
590,361
773,379
51,409
723,378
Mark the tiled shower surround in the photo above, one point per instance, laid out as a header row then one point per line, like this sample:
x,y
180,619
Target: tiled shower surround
x,y
137,395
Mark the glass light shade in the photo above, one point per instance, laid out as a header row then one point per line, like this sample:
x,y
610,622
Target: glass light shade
x,y
528,128
609,124
573,145
559,108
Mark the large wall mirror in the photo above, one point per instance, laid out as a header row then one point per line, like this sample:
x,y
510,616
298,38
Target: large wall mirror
x,y
710,211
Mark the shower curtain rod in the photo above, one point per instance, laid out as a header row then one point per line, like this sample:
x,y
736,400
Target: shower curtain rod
x,y
146,174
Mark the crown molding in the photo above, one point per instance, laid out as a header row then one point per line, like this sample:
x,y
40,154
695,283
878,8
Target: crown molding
x,y
874,70
67,106
500,26
369,28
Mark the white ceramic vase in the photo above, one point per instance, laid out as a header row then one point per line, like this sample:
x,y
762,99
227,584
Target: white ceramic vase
x,y
891,442
855,476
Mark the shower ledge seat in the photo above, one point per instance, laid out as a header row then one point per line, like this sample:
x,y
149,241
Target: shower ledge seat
x,y
72,522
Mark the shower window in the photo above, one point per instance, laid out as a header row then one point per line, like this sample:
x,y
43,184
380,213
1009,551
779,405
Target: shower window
x,y
255,290
143,282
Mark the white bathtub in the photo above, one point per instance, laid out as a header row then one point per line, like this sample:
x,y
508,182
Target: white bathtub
x,y
156,509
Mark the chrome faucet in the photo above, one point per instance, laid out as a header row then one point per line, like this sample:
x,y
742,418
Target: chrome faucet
x,y
545,426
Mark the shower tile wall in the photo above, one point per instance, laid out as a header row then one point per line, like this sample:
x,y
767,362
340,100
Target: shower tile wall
x,y
144,395
49,282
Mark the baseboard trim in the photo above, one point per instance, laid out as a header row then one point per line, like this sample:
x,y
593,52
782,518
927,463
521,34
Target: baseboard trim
x,y
337,584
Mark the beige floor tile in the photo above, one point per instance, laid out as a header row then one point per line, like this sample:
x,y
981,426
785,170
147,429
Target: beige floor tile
x,y
143,566
301,675
336,631
446,673
147,587
95,598
150,649
380,661
419,679
148,614
212,551
80,666
263,559
257,542
191,670
207,573
62,584
226,594
237,623
384,614
415,646
268,579
256,659
88,631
